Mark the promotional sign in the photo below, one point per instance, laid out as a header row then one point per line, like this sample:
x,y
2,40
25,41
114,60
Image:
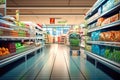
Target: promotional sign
x,y
52,20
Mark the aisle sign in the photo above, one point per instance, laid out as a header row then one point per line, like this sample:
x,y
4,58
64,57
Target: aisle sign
x,y
52,20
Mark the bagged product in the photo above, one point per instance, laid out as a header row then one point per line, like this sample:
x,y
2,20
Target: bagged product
x,y
109,36
106,21
116,36
99,21
114,18
116,2
102,36
102,50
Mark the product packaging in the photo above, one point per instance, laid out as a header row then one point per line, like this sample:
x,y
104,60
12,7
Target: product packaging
x,y
99,21
114,18
106,21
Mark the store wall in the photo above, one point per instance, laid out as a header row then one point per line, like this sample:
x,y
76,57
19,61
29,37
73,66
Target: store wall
x,y
45,19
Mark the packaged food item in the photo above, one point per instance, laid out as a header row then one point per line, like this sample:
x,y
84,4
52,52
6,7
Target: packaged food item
x,y
110,36
1,32
99,21
102,50
102,36
96,49
106,21
116,36
88,47
108,5
116,2
114,18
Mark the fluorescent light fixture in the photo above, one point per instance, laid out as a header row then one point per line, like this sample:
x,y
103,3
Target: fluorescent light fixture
x,y
48,7
52,15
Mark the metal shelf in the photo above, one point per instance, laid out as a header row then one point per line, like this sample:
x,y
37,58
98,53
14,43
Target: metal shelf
x,y
111,64
13,25
6,28
15,38
117,7
105,26
39,38
18,56
112,44
93,9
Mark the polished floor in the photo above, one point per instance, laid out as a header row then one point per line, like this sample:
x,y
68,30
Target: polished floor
x,y
53,63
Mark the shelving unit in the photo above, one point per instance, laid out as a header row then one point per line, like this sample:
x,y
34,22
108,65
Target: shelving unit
x,y
28,46
116,23
99,56
115,8
112,44
15,57
94,9
113,65
12,26
16,38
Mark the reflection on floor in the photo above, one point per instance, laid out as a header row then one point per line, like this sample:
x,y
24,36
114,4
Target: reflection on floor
x,y
55,63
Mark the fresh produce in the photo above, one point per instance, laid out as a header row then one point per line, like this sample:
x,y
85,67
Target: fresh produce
x,y
19,45
113,54
4,51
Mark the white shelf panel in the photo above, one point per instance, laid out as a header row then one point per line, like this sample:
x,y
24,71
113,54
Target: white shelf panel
x,y
105,26
17,56
112,44
111,64
6,22
16,38
6,28
13,25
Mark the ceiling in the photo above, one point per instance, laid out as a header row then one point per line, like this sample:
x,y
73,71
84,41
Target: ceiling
x,y
40,11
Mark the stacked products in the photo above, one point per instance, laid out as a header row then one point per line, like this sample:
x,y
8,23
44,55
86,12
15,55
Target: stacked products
x,y
18,29
104,31
113,54
110,36
103,21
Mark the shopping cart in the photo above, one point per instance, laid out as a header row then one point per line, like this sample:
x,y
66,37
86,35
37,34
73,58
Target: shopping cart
x,y
74,40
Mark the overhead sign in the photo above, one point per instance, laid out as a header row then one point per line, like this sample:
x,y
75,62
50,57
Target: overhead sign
x,y
52,20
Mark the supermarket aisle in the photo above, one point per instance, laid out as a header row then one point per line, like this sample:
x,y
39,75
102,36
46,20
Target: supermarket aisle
x,y
54,63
